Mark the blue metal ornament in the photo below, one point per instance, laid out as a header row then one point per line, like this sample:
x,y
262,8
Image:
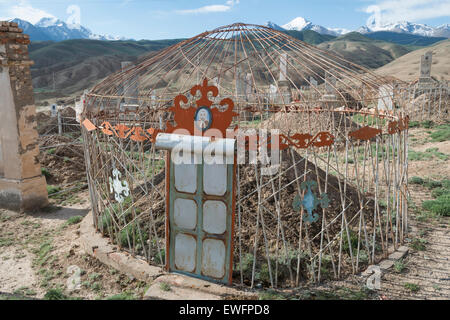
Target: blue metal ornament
x,y
310,202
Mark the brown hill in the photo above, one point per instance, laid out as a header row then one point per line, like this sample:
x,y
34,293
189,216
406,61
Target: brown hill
x,y
364,51
406,68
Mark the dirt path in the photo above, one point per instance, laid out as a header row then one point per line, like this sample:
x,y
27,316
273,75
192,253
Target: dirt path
x,y
39,253
425,272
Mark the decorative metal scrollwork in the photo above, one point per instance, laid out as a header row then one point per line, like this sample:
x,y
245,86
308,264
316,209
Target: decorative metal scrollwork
x,y
310,202
118,187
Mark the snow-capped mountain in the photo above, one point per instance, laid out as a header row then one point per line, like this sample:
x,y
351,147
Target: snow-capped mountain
x,y
410,28
274,26
301,24
52,29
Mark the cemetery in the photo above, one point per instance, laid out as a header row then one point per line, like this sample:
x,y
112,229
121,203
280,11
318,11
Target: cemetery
x,y
241,157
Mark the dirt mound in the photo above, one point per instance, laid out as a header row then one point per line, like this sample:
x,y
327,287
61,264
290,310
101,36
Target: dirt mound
x,y
302,122
290,218
285,191
62,159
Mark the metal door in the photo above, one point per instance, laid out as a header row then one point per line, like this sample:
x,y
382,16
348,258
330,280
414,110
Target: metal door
x,y
200,219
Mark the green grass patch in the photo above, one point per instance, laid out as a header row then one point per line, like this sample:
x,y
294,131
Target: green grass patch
x,y
271,294
74,220
368,120
441,133
440,190
418,244
6,242
122,296
46,173
412,287
439,206
51,190
164,286
416,180
55,294
429,154
43,253
399,266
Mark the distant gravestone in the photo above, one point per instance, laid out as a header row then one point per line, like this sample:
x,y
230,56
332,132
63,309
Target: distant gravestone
x,y
283,67
53,110
248,85
385,98
330,82
130,87
1,159
239,89
79,108
425,65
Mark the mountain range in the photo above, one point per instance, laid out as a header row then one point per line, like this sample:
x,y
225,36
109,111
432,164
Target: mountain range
x,y
70,58
405,27
73,65
52,29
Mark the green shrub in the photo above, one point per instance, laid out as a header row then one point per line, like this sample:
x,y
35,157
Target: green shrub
x,y
74,220
122,296
263,273
440,206
164,286
427,155
132,231
55,294
427,124
432,184
163,257
105,223
46,173
271,294
418,244
412,287
416,180
353,241
414,124
247,265
435,193
399,266
441,134
53,189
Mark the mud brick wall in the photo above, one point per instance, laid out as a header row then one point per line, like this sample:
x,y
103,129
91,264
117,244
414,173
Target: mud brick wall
x,y
21,183
16,45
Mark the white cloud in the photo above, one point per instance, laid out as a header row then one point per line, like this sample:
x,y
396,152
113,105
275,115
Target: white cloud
x,y
390,11
22,9
75,14
211,8
125,3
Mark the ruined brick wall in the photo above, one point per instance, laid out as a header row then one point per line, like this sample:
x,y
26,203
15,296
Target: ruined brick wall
x,y
22,185
16,45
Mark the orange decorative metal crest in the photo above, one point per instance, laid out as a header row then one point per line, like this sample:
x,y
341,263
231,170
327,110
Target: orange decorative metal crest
x,y
304,141
185,118
89,125
365,133
398,126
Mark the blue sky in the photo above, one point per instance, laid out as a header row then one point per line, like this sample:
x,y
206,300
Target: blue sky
x,y
164,19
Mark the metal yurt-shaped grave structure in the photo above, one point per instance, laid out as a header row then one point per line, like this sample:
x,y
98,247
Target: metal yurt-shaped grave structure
x,y
313,179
